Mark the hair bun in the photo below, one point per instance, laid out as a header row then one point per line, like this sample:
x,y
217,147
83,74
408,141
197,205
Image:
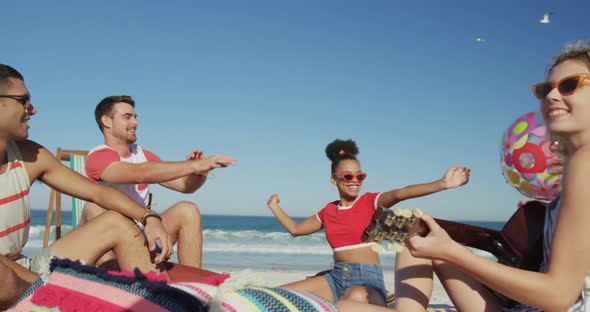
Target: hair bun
x,y
341,147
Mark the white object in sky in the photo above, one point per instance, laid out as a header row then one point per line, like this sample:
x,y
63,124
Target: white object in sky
x,y
480,40
545,19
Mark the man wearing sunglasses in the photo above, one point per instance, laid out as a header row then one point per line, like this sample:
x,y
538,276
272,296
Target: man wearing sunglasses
x,y
124,165
21,163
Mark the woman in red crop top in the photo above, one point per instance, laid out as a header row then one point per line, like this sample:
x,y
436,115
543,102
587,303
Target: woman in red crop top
x,y
357,273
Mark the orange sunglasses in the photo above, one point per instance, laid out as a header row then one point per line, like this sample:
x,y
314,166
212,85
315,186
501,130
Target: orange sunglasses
x,y
565,86
348,177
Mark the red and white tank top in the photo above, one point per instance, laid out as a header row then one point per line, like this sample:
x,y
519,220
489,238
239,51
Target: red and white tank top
x,y
15,208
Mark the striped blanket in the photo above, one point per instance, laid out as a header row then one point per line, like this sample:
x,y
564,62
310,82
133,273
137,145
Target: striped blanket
x,y
72,286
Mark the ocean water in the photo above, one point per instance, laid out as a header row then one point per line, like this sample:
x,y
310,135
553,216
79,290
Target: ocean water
x,y
258,242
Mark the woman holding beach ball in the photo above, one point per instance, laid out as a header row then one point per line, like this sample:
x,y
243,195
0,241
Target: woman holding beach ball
x,y
357,274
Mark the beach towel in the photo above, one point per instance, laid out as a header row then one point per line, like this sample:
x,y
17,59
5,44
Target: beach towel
x,y
72,286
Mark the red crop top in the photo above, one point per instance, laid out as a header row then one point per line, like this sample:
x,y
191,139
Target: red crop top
x,y
344,226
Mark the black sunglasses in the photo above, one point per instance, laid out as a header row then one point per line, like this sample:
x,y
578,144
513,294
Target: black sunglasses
x,y
23,99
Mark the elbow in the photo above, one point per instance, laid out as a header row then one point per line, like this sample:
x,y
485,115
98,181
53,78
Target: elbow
x,y
558,306
564,304
189,187
561,302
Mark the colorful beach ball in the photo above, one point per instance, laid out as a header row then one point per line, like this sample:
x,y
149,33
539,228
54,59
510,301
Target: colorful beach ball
x,y
526,155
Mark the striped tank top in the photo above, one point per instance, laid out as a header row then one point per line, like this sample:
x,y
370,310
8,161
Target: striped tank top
x,y
15,209
551,214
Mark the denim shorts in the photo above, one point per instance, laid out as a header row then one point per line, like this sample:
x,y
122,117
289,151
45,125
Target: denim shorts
x,y
346,275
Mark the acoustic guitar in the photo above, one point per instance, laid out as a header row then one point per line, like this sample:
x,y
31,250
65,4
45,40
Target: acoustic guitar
x,y
518,244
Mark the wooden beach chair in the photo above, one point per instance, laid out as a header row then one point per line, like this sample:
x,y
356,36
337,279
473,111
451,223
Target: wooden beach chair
x,y
76,160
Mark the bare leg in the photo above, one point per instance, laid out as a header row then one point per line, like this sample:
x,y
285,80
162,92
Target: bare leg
x,y
364,295
466,293
12,286
109,231
183,223
317,285
413,282
91,211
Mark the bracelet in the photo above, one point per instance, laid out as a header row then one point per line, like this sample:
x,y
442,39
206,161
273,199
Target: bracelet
x,y
146,213
149,216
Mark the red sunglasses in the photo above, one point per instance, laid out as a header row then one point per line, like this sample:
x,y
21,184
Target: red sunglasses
x,y
348,177
565,86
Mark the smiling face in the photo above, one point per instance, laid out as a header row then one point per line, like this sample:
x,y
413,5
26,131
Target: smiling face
x,y
122,125
349,191
14,116
568,116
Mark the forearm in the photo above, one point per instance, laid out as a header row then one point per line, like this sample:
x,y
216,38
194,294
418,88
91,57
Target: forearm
x,y
112,199
419,190
25,274
287,222
392,197
539,290
159,172
192,183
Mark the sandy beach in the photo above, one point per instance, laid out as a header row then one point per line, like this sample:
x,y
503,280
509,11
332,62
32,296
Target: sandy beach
x,y
276,277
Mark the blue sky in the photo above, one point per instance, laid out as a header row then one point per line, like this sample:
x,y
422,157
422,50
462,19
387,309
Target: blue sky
x,y
273,82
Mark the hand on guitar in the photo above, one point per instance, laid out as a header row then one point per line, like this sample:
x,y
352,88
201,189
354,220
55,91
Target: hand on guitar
x,y
394,226
430,240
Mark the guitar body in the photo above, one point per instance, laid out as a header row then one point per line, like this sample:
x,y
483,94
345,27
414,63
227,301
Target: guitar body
x,y
524,230
518,244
